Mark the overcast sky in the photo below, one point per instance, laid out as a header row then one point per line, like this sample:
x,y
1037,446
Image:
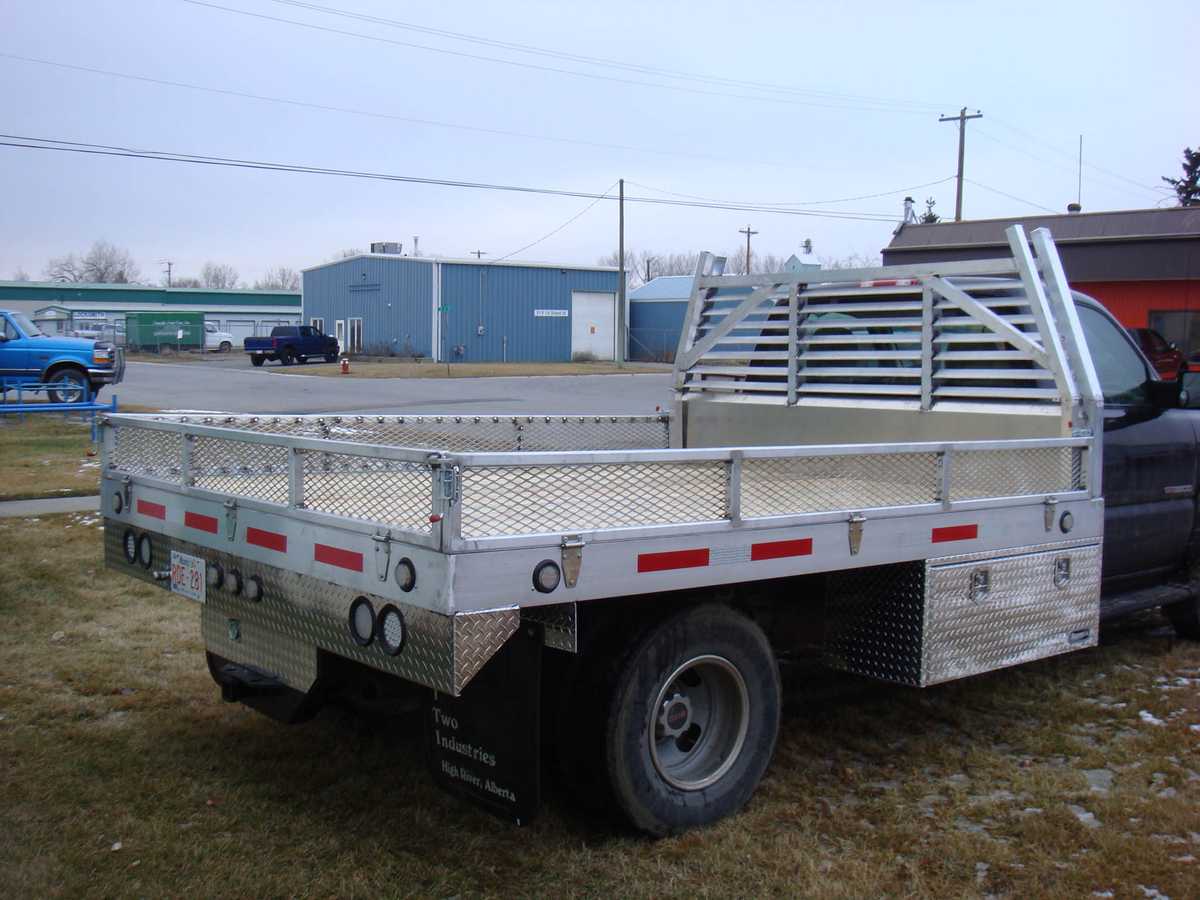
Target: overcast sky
x,y
845,103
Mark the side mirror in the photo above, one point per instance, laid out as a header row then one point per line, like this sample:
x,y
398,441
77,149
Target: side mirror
x,y
1166,394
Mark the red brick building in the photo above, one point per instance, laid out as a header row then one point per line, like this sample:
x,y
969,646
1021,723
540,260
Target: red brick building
x,y
1143,264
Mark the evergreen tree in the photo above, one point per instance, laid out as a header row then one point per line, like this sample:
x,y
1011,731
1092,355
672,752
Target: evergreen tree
x,y
1187,188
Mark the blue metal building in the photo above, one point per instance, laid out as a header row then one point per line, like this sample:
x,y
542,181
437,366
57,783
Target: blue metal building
x,y
464,310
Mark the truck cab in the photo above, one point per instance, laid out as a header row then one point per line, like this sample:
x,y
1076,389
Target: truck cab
x,y
74,368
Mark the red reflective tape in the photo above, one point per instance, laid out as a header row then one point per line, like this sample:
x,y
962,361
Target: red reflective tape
x,y
781,549
335,556
672,559
155,510
201,522
954,533
273,541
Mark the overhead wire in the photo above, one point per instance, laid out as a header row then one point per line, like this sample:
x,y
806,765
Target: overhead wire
x,y
1011,196
26,142
601,61
798,202
535,66
606,195
375,114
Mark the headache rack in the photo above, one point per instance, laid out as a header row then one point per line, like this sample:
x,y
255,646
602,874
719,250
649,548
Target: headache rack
x,y
953,342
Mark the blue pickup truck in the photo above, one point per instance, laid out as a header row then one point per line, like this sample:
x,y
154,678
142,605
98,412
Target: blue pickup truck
x,y
74,367
292,343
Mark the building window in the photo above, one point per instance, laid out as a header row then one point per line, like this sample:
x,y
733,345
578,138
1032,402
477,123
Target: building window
x,y
317,323
356,337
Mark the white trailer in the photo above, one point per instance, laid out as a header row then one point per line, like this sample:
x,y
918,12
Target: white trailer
x,y
907,457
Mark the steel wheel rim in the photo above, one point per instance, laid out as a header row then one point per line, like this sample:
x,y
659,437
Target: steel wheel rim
x,y
698,722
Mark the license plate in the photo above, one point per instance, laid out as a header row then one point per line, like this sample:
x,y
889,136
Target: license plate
x,y
187,576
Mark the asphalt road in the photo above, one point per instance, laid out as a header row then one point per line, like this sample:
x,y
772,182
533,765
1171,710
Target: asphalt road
x,y
230,386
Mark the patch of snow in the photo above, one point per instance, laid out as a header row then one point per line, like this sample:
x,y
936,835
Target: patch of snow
x,y
1085,818
1149,718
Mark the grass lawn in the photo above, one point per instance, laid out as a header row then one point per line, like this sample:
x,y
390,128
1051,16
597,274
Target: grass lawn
x,y
465,370
46,455
123,773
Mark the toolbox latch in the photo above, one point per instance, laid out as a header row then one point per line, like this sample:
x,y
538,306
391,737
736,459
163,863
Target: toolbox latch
x,y
856,531
383,553
572,558
231,519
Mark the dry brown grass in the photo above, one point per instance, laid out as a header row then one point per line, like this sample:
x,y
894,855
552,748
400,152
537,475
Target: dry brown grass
x,y
467,370
112,733
46,455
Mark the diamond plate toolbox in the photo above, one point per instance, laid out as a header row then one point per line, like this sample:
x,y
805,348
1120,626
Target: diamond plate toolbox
x,y
922,624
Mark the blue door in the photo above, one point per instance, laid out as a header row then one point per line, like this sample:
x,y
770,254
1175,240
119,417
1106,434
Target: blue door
x,y
15,352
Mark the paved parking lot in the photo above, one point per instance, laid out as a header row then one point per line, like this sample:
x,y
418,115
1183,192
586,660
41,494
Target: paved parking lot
x,y
232,385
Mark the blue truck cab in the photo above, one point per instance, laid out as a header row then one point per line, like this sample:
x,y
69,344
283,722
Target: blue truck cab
x,y
74,367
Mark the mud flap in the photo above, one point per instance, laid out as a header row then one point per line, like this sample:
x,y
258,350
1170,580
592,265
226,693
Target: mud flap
x,y
486,744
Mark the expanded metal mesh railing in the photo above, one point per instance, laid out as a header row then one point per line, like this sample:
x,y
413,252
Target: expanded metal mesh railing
x,y
447,496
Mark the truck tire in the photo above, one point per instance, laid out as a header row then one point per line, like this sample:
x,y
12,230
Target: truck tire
x,y
692,720
302,360
225,347
285,357
74,385
330,357
256,360
1185,617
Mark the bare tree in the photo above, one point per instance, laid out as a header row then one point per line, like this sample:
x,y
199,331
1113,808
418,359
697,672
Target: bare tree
x,y
188,282
20,275
64,268
853,261
106,263
219,276
280,278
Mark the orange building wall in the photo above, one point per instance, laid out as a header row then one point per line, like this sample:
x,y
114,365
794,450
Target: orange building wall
x,y
1132,301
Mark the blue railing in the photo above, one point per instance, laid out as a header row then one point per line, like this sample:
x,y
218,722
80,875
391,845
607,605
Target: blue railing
x,y
73,398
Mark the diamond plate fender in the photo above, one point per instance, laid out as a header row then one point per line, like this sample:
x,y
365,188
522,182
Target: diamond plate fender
x,y
300,615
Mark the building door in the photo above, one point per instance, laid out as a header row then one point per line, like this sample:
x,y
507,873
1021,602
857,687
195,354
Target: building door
x,y
340,333
593,325
356,343
240,329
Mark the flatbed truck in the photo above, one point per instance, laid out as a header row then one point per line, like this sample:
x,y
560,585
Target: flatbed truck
x,y
916,473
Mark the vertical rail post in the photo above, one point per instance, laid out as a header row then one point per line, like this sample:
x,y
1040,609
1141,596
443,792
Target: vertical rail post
x,y
926,347
295,478
185,459
733,486
944,484
793,325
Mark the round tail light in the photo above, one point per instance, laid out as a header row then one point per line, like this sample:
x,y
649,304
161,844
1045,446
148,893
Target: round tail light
x,y
362,621
546,576
390,630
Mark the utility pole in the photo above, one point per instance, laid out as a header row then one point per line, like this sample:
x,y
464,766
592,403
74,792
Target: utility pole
x,y
649,259
747,232
961,119
168,263
478,254
621,271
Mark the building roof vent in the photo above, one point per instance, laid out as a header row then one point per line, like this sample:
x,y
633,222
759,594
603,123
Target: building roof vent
x,y
1073,208
386,247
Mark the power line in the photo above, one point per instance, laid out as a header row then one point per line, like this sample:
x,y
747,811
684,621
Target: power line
x,y
902,190
600,61
1012,197
606,195
375,114
35,143
1069,155
528,65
